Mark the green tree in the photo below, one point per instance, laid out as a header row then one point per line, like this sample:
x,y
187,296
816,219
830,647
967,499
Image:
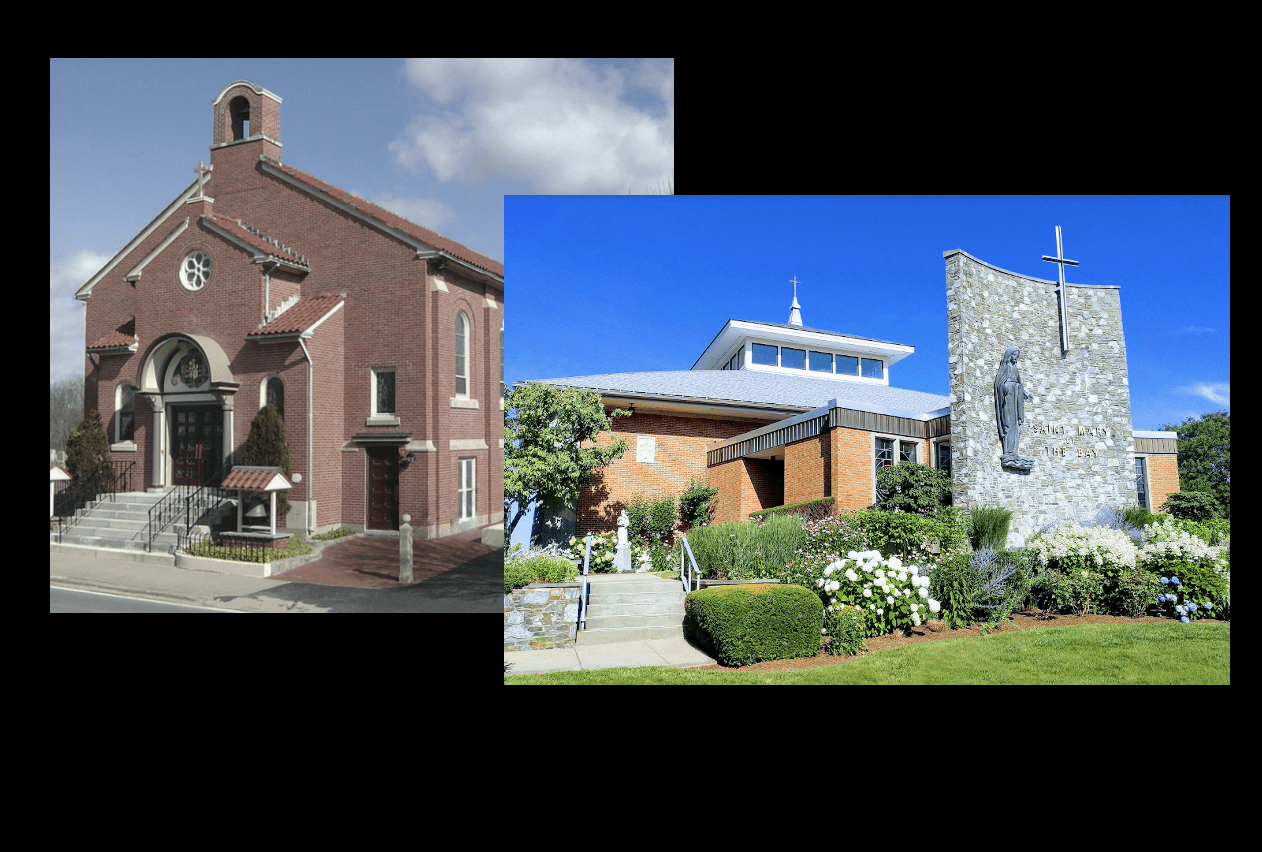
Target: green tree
x,y
544,456
87,450
912,487
1205,456
266,445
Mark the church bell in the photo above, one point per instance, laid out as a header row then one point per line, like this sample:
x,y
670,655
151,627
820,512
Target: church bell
x,y
258,512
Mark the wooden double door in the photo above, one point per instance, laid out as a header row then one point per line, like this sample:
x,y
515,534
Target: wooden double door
x,y
383,488
196,443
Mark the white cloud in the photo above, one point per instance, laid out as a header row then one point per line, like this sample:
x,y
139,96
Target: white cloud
x,y
1218,393
65,313
559,125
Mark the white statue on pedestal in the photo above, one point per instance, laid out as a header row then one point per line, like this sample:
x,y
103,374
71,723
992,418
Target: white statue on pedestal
x,y
622,558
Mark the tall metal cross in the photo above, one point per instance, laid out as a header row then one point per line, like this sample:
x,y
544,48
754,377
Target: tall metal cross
x,y
202,170
795,282
1060,262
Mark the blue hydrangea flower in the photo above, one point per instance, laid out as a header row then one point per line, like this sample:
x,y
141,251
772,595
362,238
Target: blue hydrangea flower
x,y
1209,604
1184,619
1174,580
1165,581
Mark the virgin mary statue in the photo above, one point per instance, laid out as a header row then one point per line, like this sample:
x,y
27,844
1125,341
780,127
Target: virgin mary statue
x,y
1010,397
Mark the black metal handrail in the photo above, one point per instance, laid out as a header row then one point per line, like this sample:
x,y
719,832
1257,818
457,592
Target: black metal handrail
x,y
72,499
180,502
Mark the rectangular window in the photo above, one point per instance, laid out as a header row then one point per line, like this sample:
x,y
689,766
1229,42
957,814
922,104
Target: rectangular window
x,y
464,494
1139,481
820,362
847,365
884,453
795,358
872,369
943,451
384,403
764,354
906,451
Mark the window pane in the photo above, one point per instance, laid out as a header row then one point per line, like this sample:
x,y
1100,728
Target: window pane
x,y
872,369
385,393
821,362
795,358
906,451
884,452
764,354
848,365
944,457
462,377
1139,482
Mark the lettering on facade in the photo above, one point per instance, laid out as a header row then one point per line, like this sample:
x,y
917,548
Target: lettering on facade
x,y
1070,447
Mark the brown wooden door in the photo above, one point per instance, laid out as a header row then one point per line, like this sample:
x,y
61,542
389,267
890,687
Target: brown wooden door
x,y
196,439
383,488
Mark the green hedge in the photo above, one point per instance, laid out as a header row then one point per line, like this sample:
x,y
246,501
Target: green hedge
x,y
757,621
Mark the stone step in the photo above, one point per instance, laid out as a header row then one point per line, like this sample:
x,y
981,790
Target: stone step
x,y
632,608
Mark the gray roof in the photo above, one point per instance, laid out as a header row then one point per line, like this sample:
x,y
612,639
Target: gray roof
x,y
767,390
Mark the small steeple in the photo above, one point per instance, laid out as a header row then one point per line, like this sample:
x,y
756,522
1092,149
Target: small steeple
x,y
795,310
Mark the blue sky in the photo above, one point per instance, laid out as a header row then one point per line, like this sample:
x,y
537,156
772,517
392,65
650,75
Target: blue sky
x,y
438,141
617,284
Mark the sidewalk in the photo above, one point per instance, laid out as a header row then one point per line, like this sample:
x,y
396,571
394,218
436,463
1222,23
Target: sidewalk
x,y
453,574
648,652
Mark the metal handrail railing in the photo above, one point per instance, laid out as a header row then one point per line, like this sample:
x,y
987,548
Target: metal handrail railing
x,y
179,502
684,548
582,600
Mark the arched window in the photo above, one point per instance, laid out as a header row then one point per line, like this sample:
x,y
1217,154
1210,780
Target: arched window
x,y
240,109
274,395
462,355
124,413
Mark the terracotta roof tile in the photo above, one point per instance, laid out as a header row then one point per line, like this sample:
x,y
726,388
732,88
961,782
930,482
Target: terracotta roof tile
x,y
305,313
253,237
113,340
252,477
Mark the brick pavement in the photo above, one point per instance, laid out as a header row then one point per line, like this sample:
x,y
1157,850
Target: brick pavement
x,y
372,562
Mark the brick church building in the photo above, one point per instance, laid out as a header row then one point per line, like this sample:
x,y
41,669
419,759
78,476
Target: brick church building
x,y
779,413
378,340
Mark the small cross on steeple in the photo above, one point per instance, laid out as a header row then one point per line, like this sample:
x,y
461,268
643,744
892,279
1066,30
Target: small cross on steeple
x,y
795,310
202,170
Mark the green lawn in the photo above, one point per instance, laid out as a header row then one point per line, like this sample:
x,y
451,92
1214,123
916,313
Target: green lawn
x,y
1093,653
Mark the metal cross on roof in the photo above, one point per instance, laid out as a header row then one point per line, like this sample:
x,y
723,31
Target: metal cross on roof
x,y
1060,262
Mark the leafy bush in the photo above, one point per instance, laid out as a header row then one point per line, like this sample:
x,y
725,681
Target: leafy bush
x,y
1073,590
912,487
538,569
958,586
604,549
749,623
845,626
808,510
696,506
1194,505
904,535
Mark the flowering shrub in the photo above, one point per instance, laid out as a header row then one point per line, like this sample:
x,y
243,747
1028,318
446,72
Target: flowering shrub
x,y
895,596
1193,576
1068,546
604,548
845,626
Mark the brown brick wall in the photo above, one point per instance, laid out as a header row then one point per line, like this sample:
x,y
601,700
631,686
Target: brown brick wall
x,y
1163,475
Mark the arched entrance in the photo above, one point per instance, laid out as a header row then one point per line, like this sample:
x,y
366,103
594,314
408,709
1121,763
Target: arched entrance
x,y
190,390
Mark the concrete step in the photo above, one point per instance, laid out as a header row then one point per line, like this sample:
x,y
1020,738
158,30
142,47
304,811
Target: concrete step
x,y
629,608
123,524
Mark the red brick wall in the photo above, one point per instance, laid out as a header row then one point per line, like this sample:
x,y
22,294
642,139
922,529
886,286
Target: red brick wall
x,y
680,454
1163,476
394,318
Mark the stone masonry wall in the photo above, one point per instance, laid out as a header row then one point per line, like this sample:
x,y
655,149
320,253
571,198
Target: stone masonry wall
x,y
541,616
1077,427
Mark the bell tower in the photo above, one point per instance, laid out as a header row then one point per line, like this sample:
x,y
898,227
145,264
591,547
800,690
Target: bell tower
x,y
246,117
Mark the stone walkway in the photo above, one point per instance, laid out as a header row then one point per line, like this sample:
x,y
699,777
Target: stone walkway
x,y
372,562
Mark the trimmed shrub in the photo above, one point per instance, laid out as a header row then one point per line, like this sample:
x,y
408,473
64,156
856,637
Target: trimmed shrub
x,y
957,585
749,623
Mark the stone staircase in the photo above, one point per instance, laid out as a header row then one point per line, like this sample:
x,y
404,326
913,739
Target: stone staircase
x,y
631,607
123,524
